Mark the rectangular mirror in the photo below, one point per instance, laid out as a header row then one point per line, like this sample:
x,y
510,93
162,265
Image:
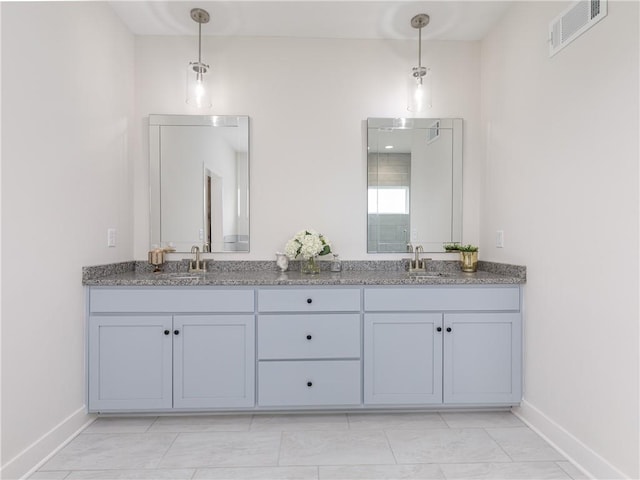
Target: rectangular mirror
x,y
414,183
199,182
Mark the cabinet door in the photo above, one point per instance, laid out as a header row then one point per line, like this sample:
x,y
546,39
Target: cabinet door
x,y
129,363
482,358
402,358
214,361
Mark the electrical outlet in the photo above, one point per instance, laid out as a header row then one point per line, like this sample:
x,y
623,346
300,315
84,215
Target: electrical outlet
x,y
500,239
111,237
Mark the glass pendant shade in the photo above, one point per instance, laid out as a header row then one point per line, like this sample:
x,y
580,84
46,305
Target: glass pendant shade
x,y
198,91
419,92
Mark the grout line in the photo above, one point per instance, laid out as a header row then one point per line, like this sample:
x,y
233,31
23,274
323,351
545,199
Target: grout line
x,y
444,475
443,420
393,454
280,449
250,429
498,444
151,425
568,474
348,421
167,450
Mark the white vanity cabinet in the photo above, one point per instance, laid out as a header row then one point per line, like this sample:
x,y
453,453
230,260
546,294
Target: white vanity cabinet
x,y
295,347
173,348
442,345
309,347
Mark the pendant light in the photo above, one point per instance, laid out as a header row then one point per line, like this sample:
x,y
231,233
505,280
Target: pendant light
x,y
420,83
198,95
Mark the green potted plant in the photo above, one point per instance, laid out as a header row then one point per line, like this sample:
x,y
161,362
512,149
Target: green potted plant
x,y
451,247
468,257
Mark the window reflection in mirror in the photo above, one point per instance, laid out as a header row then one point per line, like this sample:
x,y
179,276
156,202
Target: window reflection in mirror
x,y
414,186
199,182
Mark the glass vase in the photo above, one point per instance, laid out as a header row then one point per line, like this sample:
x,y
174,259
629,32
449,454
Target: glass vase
x,y
310,266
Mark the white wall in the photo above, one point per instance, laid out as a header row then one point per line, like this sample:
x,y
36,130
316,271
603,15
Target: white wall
x,y
67,98
561,180
307,99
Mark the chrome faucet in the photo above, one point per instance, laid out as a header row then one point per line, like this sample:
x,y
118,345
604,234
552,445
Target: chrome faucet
x,y
418,264
197,265
418,250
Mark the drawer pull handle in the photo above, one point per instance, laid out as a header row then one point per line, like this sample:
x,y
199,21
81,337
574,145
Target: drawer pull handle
x,y
309,384
309,300
309,337
448,329
176,332
439,329
167,332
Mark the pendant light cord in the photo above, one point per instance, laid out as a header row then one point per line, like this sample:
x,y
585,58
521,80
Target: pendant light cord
x,y
199,42
420,50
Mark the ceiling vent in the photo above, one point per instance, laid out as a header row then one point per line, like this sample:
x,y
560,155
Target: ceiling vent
x,y
571,23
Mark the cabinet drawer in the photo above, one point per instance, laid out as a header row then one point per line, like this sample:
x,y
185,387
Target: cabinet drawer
x,y
329,382
309,336
309,300
475,298
166,300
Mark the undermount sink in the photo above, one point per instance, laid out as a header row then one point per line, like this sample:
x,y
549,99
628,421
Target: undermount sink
x,y
183,275
429,274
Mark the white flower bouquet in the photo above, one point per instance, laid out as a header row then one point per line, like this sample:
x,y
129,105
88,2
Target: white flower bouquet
x,y
307,244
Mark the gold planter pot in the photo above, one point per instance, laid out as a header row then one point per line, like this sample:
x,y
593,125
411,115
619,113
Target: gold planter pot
x,y
469,261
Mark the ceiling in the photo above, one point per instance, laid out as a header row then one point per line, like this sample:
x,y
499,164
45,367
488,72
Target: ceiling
x,y
450,20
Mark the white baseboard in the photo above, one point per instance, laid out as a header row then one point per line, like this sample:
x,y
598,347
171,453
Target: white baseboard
x,y
32,457
584,458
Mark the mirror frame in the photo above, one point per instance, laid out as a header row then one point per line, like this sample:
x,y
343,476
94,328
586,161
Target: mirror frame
x,y
456,126
155,210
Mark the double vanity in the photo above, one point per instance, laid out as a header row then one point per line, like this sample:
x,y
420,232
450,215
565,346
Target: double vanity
x,y
245,337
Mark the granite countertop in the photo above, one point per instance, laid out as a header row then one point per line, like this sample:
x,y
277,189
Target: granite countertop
x,y
264,273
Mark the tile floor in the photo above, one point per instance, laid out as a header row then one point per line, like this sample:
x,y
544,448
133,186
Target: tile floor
x,y
419,446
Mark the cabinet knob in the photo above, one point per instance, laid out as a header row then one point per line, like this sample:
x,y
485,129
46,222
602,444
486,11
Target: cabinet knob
x,y
309,300
309,384
176,332
167,332
448,329
438,329
309,337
